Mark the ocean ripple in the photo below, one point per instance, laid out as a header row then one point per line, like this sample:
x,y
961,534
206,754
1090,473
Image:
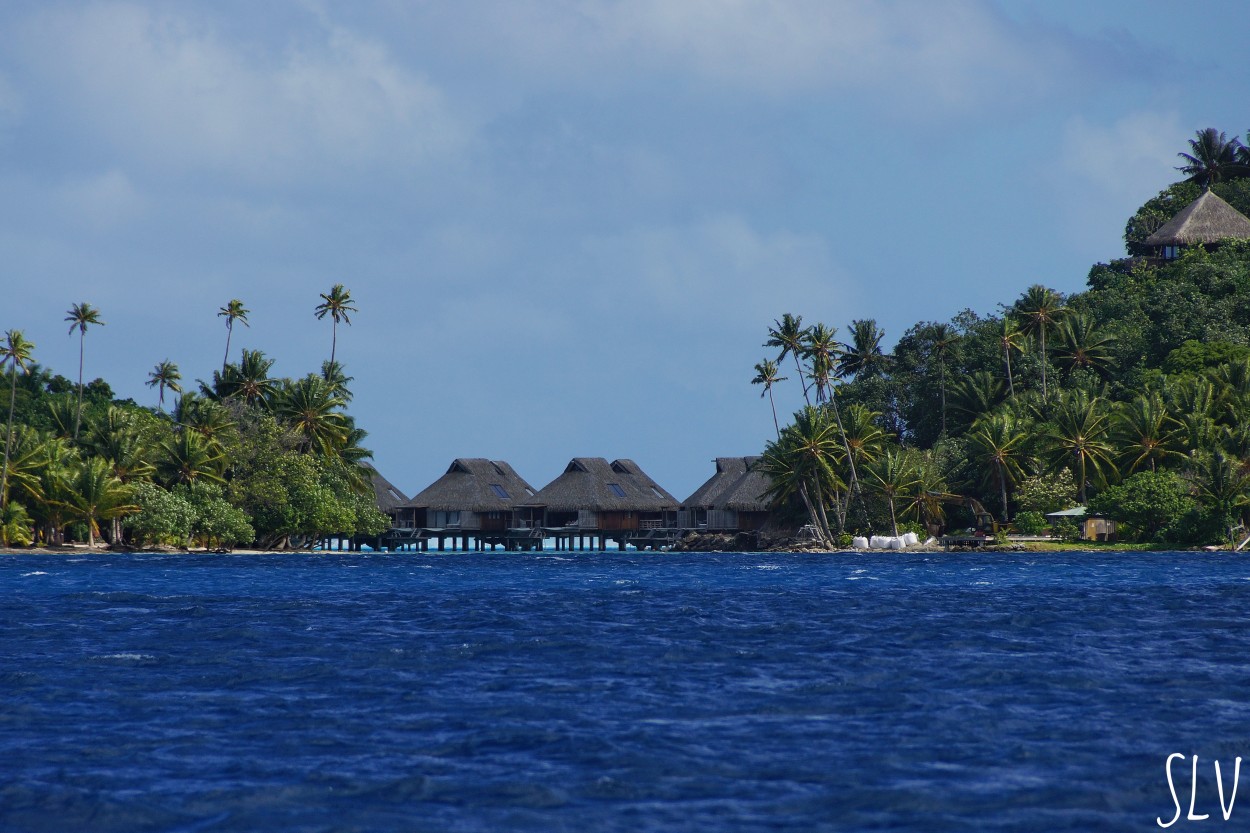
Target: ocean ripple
x,y
616,693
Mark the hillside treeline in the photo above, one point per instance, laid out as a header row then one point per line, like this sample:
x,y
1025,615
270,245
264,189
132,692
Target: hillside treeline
x,y
1132,397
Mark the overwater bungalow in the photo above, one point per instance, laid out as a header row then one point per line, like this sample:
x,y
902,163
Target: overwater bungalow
x,y
389,498
696,511
731,500
474,501
1207,221
744,506
594,499
390,501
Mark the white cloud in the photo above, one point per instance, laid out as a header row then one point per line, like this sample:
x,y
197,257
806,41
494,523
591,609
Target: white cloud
x,y
102,202
930,57
1132,157
1112,168
169,90
719,269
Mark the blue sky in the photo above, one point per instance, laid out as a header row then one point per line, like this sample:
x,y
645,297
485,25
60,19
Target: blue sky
x,y
568,225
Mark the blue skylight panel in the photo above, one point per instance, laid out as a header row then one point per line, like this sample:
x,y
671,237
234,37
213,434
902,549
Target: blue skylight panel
x,y
499,491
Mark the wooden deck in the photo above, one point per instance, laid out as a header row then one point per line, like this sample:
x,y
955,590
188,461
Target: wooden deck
x,y
571,538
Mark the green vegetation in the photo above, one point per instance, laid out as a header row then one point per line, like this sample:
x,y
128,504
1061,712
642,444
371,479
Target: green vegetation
x,y
248,459
1132,396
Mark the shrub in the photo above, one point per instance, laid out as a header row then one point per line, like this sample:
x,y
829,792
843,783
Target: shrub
x,y
1031,523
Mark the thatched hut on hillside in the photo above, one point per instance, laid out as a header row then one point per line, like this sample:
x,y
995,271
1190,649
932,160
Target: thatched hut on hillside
x,y
1207,221
475,494
595,495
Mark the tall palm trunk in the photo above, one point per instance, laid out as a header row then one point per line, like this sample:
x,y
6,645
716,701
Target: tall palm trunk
x,y
8,442
1011,386
1042,332
82,339
822,530
1002,486
802,382
776,425
855,490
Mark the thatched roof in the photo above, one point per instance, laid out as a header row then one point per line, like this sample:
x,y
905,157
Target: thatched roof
x,y
1207,219
746,494
728,470
388,497
594,484
474,484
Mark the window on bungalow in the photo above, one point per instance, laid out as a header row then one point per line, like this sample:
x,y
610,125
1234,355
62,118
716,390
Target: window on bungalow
x,y
616,489
499,491
656,492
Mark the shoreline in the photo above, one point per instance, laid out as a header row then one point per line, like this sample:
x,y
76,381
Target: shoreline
x,y
1035,547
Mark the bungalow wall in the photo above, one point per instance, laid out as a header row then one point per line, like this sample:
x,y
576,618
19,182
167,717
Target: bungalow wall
x,y
494,521
618,520
751,521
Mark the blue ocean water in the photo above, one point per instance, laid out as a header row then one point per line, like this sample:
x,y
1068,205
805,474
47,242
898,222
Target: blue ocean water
x,y
732,692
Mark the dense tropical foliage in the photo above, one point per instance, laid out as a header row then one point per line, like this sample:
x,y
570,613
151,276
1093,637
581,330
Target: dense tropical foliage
x,y
1132,397
247,459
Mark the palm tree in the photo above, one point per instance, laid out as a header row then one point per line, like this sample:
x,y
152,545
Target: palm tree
x,y
941,338
205,417
337,305
96,494
1078,438
55,461
248,380
165,375
80,317
1193,404
1224,486
15,526
801,462
1145,433
15,352
337,379
1215,158
976,394
1082,344
999,442
821,350
925,503
352,456
1041,309
788,334
232,312
189,456
766,375
61,410
865,438
895,475
862,358
25,459
118,438
310,407
1010,337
